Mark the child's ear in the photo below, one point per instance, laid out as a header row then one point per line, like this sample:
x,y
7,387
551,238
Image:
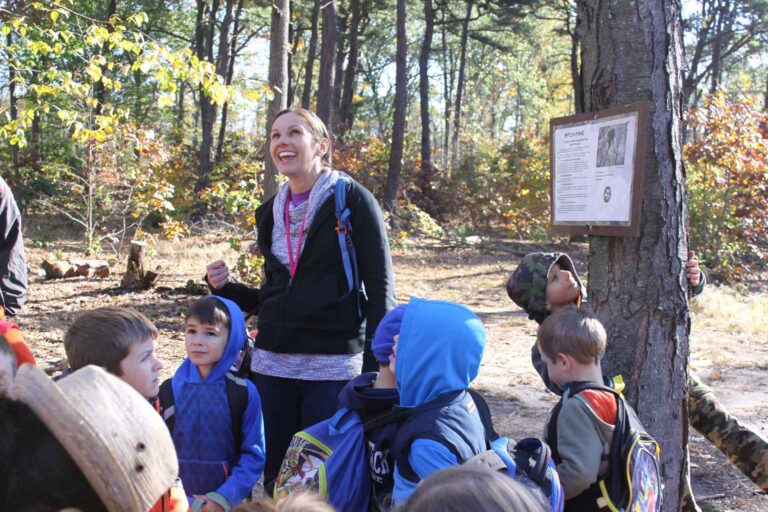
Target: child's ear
x,y
564,361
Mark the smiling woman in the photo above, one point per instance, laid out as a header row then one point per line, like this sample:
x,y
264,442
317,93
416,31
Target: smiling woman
x,y
314,332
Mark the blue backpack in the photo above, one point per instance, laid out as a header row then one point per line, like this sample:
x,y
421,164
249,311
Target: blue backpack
x,y
330,459
344,231
528,461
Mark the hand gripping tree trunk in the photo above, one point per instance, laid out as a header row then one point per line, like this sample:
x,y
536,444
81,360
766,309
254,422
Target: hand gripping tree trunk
x,y
278,83
632,51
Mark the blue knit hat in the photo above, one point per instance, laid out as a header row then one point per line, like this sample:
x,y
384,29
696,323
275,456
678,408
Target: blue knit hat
x,y
384,338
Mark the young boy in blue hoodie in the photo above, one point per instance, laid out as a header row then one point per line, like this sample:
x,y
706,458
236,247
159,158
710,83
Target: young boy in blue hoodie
x,y
436,356
217,471
372,395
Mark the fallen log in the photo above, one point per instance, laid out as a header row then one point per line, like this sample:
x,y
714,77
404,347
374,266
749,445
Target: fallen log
x,y
75,268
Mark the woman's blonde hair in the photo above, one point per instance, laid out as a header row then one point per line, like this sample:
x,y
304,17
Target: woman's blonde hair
x,y
316,127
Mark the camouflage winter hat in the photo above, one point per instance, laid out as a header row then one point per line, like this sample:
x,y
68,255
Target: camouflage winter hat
x,y
528,285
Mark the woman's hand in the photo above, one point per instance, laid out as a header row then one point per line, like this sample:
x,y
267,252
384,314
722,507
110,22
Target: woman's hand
x,y
217,274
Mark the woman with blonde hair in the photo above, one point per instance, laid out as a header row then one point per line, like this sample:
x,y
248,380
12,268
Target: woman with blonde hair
x,y
315,322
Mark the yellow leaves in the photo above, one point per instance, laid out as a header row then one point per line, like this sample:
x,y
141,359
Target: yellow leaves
x,y
94,72
54,15
6,30
165,100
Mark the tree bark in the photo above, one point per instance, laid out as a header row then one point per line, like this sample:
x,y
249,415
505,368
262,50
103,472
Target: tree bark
x,y
204,33
230,72
342,19
632,51
398,124
278,83
306,94
460,86
426,47
448,72
346,112
327,65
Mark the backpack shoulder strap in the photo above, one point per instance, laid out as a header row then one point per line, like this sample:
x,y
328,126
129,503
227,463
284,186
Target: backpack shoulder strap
x,y
344,232
485,416
573,389
167,404
384,419
237,397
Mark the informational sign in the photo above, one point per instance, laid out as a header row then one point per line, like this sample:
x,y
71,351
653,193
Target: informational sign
x,y
596,169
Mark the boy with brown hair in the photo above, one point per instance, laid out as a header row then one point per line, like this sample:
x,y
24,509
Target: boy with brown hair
x,y
572,343
214,416
120,340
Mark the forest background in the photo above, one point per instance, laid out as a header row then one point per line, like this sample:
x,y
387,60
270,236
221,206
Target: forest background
x,y
146,119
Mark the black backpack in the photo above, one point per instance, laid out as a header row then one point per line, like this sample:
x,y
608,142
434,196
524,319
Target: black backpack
x,y
237,398
632,480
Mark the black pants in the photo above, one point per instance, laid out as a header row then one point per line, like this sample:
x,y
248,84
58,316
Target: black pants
x,y
288,406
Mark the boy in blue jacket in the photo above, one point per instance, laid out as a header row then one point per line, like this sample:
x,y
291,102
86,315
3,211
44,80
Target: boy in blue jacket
x,y
218,469
371,395
436,356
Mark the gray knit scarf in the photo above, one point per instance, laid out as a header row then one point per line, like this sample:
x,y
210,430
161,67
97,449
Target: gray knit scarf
x,y
322,188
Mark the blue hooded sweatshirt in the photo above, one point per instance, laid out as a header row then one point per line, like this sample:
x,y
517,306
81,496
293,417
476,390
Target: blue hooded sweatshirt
x,y
438,355
209,461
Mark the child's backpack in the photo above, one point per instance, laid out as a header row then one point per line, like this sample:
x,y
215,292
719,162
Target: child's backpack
x,y
237,398
528,461
330,459
632,481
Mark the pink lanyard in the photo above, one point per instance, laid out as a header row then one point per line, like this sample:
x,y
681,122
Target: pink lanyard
x,y
291,262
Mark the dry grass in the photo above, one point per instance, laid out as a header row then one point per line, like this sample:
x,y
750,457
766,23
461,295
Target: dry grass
x,y
729,328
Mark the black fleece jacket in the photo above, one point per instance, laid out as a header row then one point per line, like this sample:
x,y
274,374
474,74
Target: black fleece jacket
x,y
315,313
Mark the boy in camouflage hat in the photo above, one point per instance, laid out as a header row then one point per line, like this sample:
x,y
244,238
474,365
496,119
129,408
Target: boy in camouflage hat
x,y
545,282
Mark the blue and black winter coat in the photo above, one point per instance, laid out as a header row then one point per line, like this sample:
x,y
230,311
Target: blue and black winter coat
x,y
438,355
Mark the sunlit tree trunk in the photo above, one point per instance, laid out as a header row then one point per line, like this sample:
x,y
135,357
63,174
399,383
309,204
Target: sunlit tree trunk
x,y
632,51
278,82
327,64
398,124
460,86
311,54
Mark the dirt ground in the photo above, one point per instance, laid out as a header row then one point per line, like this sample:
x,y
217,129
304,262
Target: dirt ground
x,y
729,338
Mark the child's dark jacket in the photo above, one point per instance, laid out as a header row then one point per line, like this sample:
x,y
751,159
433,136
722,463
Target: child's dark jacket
x,y
360,396
209,461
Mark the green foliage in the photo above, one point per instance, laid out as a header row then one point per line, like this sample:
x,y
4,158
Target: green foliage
x,y
726,164
69,71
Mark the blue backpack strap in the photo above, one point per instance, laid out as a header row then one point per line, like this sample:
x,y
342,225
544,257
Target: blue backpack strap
x,y
167,408
237,398
344,231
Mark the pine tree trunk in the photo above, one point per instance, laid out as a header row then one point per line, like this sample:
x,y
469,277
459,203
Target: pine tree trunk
x,y
311,54
460,86
327,65
228,60
278,82
398,125
346,113
632,51
426,47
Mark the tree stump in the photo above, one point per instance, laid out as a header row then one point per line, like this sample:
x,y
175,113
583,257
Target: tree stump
x,y
135,277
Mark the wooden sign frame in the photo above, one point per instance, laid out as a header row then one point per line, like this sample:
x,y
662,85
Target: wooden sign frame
x,y
594,168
